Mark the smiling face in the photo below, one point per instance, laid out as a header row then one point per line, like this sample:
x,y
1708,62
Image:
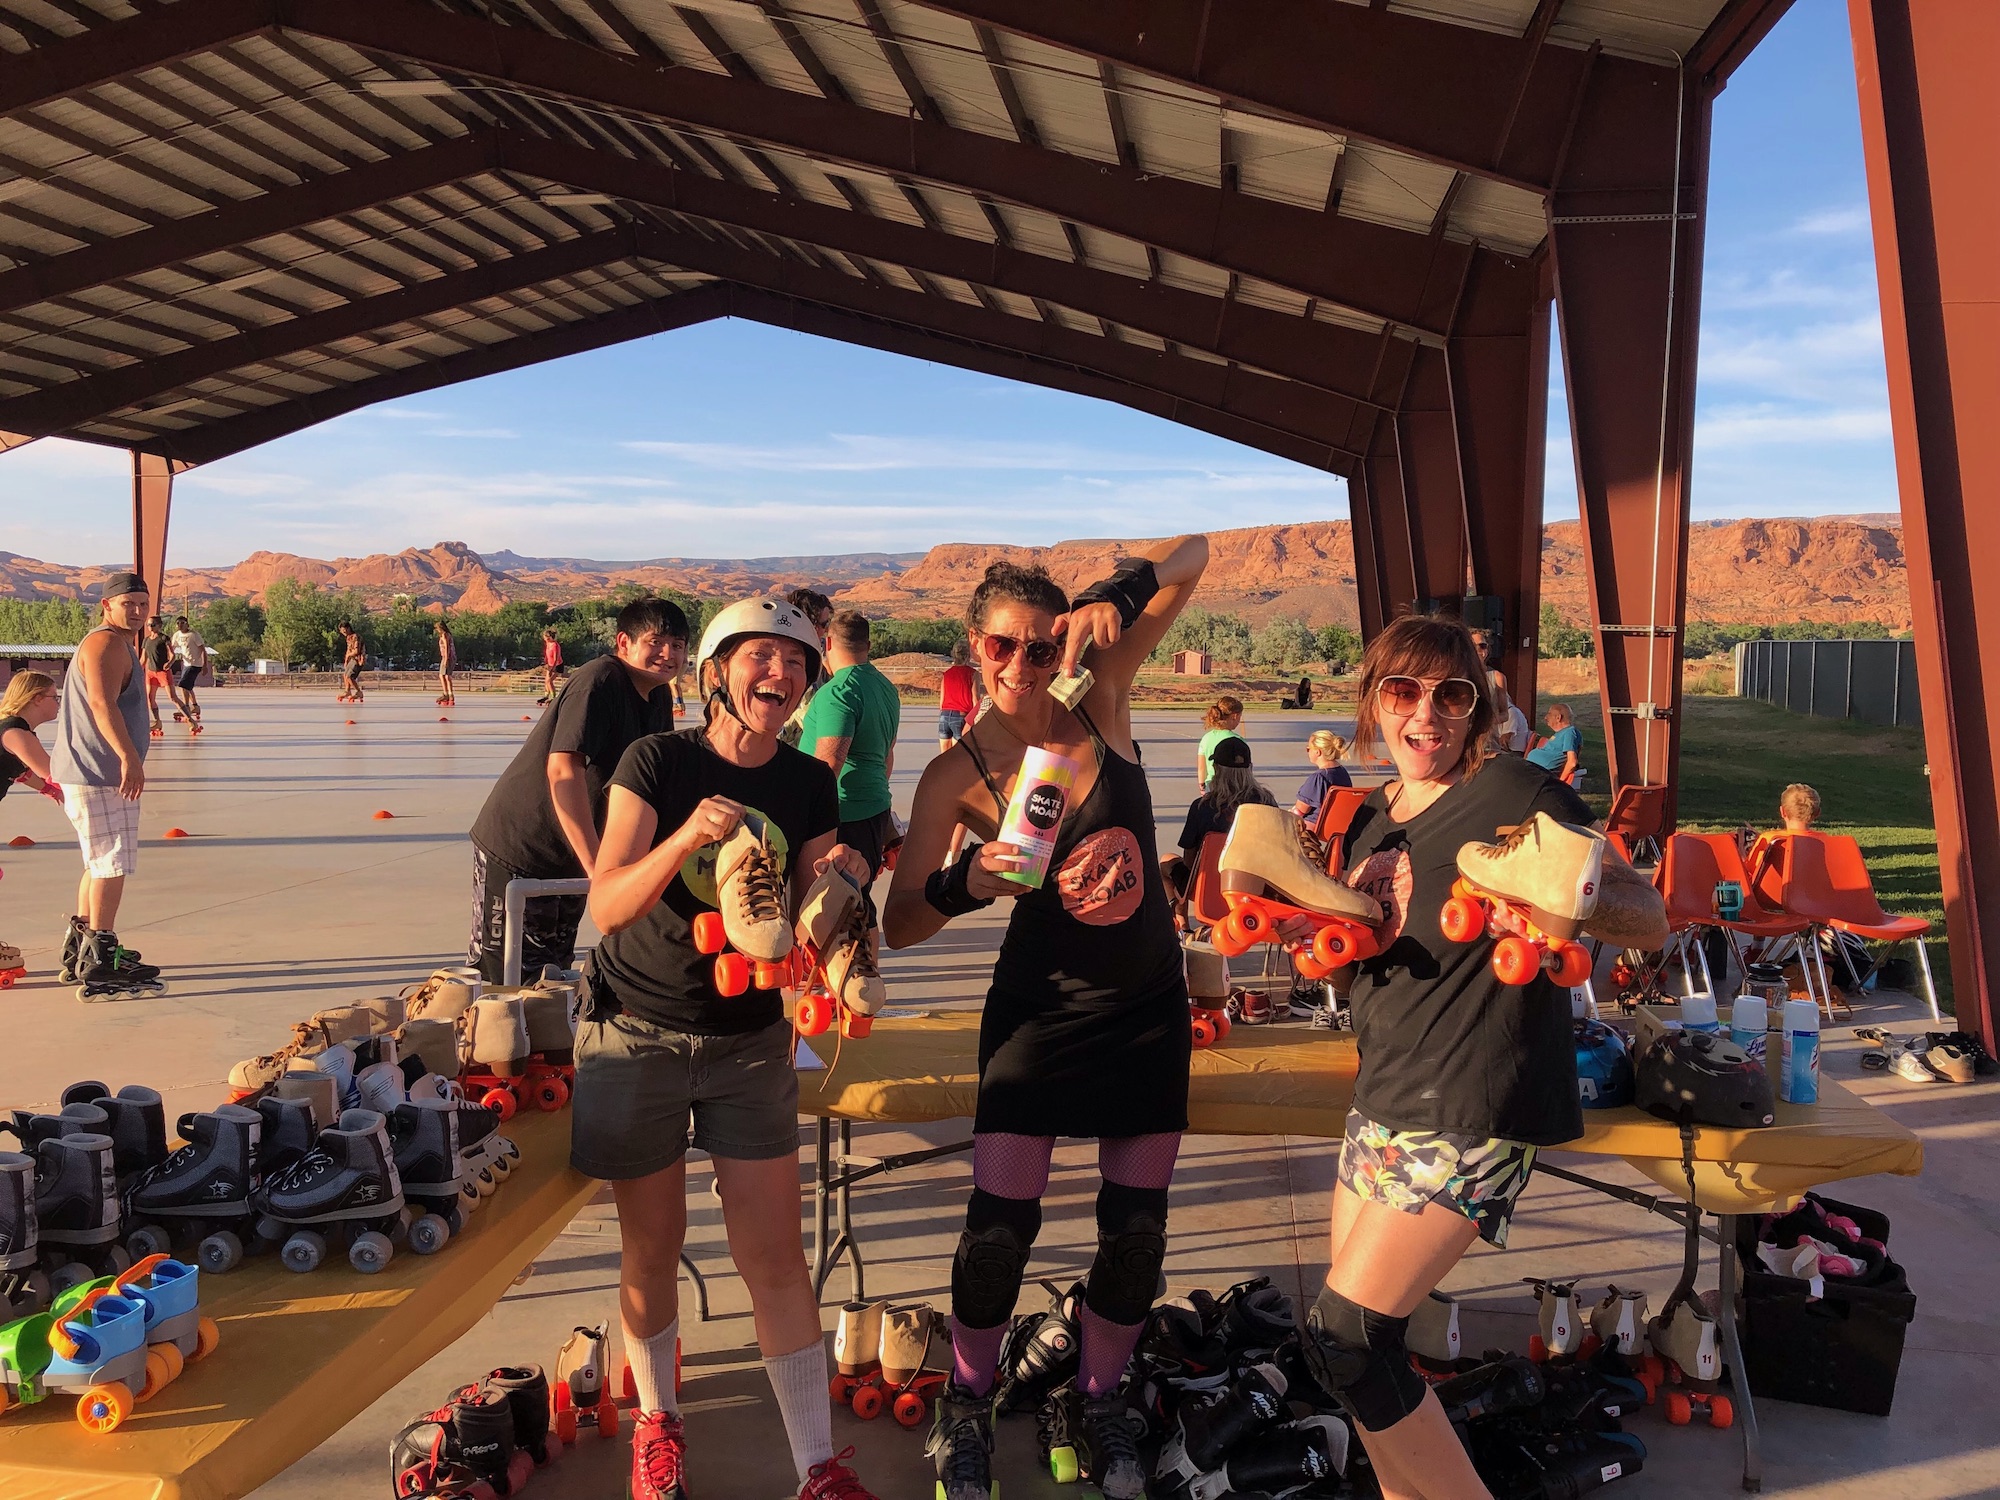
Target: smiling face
x,y
1424,744
655,657
1013,684
766,678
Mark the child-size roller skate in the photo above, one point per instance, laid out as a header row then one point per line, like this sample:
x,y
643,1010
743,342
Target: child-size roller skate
x,y
1563,1330
857,1349
177,1332
916,1364
95,1350
1040,1352
1686,1362
582,1389
1278,1460
960,1444
1540,884
1093,1438
12,970
347,1184
1207,1430
200,1195
1273,868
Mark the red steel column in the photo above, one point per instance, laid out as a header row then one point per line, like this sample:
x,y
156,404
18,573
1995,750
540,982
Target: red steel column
x,y
1930,132
1428,450
152,501
1499,368
1389,510
1368,588
1625,227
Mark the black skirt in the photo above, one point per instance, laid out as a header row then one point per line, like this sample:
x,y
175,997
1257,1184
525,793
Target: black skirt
x,y
1067,1067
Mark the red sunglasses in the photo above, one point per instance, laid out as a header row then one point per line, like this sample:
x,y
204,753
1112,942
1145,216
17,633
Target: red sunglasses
x,y
1000,650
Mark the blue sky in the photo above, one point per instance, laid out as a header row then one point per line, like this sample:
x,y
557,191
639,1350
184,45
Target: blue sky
x,y
732,439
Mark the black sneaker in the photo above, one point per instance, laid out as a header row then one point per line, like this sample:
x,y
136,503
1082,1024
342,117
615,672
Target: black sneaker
x,y
1304,1004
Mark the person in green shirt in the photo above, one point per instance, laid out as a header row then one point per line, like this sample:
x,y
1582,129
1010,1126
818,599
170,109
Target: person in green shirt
x,y
851,724
1222,719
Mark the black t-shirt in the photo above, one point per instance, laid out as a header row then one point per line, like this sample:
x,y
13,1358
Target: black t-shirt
x,y
1444,1045
155,650
11,765
1202,820
598,715
653,967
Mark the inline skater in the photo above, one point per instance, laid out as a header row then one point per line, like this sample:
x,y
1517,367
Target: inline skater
x,y
719,816
353,657
1085,1030
1463,1079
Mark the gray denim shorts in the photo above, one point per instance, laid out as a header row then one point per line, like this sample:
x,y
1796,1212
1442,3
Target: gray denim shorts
x,y
641,1090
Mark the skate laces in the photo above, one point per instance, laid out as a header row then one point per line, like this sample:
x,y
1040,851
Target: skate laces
x,y
968,1456
1311,845
757,891
1112,1439
658,1452
862,961
833,1480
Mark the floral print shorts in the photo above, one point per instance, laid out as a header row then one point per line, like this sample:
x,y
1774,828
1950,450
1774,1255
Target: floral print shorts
x,y
1477,1176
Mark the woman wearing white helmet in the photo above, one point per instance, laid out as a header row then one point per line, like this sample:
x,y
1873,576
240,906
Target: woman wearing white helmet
x,y
660,1050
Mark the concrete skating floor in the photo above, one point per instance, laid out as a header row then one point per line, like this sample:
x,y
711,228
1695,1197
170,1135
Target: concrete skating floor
x,y
288,897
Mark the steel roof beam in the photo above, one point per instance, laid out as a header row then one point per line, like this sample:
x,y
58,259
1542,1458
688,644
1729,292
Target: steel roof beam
x,y
109,52
75,402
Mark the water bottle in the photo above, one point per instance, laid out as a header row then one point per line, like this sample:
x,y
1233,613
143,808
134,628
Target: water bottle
x,y
1798,1081
1747,1019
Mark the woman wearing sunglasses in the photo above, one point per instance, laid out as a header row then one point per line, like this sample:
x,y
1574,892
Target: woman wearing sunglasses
x,y
1462,1078
1085,1030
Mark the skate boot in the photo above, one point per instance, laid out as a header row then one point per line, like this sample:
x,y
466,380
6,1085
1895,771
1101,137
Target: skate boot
x,y
1310,1452
1094,1439
76,1208
916,1364
1434,1341
1563,1327
348,1182
24,1288
853,971
750,892
497,1038
1553,869
380,1087
1510,1384
489,1156
833,1480
287,1128
466,1443
137,1125
1267,853
829,908
1208,1431
254,1075
527,1391
72,950
1040,1352
445,996
344,1023
1683,1336
582,1385
1207,973
201,1192
11,967
961,1445
424,1133
108,972
659,1457
433,1041
1253,1316
857,1349
1619,1321
316,1090
551,1040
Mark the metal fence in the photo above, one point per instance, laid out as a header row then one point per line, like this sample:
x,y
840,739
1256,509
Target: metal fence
x,y
1875,681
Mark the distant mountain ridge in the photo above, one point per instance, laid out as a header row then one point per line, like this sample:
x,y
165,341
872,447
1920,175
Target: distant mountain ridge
x,y
1830,568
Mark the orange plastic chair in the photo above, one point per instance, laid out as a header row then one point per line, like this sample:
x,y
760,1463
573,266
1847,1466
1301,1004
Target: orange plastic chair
x,y
1638,814
1337,810
1205,903
1692,865
1824,879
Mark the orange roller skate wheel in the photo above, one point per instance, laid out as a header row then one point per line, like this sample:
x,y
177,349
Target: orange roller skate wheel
x,y
500,1101
910,1409
1680,1410
1572,965
103,1408
565,1425
1204,1032
1462,919
732,974
867,1402
1335,946
1515,960
708,934
812,1015
1309,967
159,1373
550,1095
607,1417
1721,1411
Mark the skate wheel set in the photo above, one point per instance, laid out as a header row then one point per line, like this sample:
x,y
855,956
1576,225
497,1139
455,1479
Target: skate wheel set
x,y
890,1359
1517,958
1209,1024
11,977
1336,941
815,1010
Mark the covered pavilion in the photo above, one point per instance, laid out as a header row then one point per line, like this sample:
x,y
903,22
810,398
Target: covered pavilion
x,y
1328,229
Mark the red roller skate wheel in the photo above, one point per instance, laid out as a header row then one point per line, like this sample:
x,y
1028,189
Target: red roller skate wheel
x,y
1222,1025
1721,1411
1680,1410
1228,937
867,1402
732,974
1515,961
1462,919
812,1015
550,1095
1538,1349
1335,946
1572,965
500,1101
910,1409
770,976
1204,1032
607,1416
630,1390
708,934
566,1426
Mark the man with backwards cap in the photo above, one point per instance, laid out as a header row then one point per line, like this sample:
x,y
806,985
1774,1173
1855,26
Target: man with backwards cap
x,y
99,761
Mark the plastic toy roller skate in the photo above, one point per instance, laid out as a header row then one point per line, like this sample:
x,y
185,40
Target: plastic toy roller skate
x,y
581,1392
1517,957
177,1332
12,970
96,1348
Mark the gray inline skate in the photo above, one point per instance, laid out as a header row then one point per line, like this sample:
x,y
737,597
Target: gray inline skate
x,y
24,1286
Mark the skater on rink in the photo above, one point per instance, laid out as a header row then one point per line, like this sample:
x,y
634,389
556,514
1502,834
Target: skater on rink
x,y
1463,1079
543,818
353,657
156,654
552,666
1220,722
723,817
191,654
447,663
851,726
100,763
1085,1031
955,696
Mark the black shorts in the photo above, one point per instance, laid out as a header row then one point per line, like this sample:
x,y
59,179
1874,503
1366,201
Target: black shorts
x,y
188,677
351,670
871,837
548,925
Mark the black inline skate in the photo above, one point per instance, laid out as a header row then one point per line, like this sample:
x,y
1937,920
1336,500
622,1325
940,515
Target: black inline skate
x,y
1094,1439
1209,1428
346,1183
201,1194
961,1445
1279,1461
107,972
24,1285
1040,1352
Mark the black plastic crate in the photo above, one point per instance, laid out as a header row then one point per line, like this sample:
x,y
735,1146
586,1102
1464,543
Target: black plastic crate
x,y
1842,1351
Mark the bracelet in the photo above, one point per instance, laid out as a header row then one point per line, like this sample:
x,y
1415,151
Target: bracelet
x,y
1129,589
948,890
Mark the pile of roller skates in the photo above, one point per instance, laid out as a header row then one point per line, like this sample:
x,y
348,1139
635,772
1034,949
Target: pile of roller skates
x,y
893,1359
828,955
1675,1356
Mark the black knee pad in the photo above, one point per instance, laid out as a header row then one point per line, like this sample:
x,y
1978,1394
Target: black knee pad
x,y
1131,1245
1359,1357
992,1256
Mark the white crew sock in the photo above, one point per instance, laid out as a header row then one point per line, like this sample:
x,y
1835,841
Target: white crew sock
x,y
799,1380
652,1362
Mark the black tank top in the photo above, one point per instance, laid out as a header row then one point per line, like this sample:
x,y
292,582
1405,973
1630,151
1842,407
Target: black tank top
x,y
1100,929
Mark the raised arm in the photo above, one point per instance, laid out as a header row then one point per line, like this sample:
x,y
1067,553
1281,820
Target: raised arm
x,y
632,874
1119,650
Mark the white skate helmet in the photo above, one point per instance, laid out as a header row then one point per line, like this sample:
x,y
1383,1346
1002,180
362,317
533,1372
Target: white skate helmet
x,y
752,617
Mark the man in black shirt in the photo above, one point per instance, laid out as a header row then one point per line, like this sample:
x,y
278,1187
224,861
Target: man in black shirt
x,y
544,815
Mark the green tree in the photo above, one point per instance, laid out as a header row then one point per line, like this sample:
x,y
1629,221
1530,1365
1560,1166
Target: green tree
x,y
1339,647
45,622
302,620
1284,642
893,637
1559,638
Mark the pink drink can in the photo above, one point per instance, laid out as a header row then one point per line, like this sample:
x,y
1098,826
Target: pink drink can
x,y
1035,812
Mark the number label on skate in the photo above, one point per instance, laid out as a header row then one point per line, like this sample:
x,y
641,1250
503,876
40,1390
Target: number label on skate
x,y
1610,1472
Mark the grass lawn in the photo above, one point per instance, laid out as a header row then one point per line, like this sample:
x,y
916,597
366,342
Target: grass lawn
x,y
1737,755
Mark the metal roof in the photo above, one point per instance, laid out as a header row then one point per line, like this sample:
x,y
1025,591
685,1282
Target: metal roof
x,y
223,220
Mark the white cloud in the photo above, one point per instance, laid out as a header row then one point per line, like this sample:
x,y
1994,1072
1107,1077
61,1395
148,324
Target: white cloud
x,y
1845,220
1752,427
472,432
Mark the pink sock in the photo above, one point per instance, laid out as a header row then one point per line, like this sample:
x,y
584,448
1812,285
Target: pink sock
x,y
1107,1350
975,1355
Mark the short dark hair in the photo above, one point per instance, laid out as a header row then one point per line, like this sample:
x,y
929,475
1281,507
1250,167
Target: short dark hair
x,y
849,631
809,602
346,625
1014,584
1436,646
663,615
180,619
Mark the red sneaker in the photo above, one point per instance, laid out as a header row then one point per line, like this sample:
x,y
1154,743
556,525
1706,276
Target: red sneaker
x,y
658,1456
833,1480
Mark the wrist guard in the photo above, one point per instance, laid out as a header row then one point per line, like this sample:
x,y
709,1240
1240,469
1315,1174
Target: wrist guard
x,y
947,890
1129,589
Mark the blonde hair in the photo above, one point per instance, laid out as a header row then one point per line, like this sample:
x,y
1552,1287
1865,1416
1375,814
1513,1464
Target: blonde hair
x,y
1326,742
23,690
1800,802
1222,708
